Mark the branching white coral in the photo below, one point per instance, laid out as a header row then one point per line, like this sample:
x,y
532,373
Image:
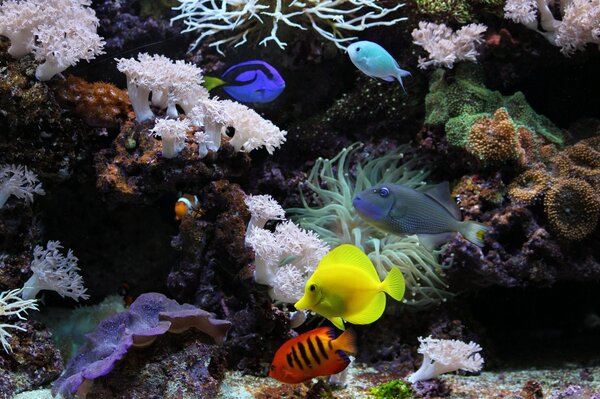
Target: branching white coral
x,y
58,32
284,260
173,133
262,209
171,83
235,21
580,23
445,355
252,131
55,272
445,47
11,304
19,181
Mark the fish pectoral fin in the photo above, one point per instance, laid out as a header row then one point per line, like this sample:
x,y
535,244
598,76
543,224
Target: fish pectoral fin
x,y
398,211
338,322
371,312
433,241
441,194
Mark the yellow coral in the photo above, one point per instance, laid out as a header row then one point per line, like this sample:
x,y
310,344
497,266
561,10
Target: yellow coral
x,y
529,186
494,139
572,208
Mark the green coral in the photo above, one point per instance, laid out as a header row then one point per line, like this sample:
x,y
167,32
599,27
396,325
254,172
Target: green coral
x,y
460,11
396,389
459,103
332,184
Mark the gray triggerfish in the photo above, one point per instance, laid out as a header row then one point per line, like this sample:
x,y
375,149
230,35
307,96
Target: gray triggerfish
x,y
432,215
373,60
249,82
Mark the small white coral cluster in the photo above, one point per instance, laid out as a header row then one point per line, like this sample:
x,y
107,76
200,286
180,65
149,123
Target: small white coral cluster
x,y
237,20
445,46
58,32
53,271
580,23
286,258
11,304
156,80
18,181
446,355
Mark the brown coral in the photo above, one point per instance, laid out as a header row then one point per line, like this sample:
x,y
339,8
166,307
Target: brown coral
x,y
579,161
529,186
528,146
572,208
494,139
98,104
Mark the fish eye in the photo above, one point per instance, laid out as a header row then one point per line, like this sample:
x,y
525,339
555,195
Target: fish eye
x,y
313,288
384,192
357,49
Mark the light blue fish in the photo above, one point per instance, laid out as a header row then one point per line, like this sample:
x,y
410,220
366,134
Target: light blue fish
x,y
373,60
432,215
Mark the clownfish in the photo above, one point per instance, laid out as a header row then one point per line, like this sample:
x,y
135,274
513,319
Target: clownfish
x,y
187,205
312,354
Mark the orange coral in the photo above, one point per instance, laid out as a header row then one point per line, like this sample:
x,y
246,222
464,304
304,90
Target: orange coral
x,y
528,146
494,139
547,152
579,161
98,104
529,186
572,208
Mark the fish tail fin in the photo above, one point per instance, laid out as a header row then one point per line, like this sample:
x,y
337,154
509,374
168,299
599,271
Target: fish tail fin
x,y
211,82
346,342
394,284
401,74
474,232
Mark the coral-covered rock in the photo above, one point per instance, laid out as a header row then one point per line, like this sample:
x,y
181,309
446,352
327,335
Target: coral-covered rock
x,y
35,360
494,139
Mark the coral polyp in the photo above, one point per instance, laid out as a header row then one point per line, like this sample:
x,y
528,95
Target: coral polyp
x,y
327,210
572,207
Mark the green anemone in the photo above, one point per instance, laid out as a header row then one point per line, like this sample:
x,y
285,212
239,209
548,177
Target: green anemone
x,y
331,186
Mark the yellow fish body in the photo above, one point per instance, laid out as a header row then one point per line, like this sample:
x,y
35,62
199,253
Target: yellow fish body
x,y
346,286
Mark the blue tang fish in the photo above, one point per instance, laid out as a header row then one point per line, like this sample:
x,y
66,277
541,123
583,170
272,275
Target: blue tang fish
x,y
249,82
432,215
373,60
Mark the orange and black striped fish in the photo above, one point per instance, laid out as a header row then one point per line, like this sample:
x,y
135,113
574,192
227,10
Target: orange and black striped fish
x,y
312,354
187,205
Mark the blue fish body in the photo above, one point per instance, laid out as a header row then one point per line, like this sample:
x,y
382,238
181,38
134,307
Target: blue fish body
x,y
373,60
432,215
253,82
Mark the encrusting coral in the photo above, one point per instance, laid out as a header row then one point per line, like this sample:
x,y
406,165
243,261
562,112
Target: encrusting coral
x,y
572,207
327,210
529,187
461,11
98,104
493,139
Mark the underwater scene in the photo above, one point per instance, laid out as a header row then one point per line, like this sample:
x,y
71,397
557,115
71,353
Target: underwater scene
x,y
337,199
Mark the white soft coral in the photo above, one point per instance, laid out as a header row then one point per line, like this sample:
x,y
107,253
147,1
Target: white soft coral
x,y
173,133
445,47
445,355
262,209
55,272
58,32
18,181
11,304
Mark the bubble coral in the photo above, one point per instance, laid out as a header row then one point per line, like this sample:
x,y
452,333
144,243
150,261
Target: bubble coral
x,y
572,208
99,104
332,184
494,139
528,187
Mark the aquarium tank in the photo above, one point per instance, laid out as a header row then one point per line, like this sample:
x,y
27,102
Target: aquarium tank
x,y
337,199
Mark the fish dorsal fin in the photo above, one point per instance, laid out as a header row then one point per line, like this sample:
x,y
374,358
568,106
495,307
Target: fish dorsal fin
x,y
349,254
369,313
441,194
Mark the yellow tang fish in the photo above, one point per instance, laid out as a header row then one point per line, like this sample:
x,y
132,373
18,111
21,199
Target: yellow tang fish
x,y
346,286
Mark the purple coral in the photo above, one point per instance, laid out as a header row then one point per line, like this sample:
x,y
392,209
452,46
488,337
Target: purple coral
x,y
149,316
